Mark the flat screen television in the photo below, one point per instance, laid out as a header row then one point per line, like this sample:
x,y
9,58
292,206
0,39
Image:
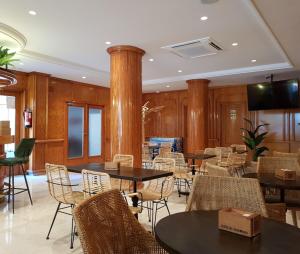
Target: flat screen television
x,y
282,94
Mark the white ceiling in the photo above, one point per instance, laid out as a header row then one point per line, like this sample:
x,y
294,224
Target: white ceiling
x,y
67,38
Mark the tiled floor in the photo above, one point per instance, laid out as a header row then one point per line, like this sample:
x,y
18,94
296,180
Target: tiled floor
x,y
25,231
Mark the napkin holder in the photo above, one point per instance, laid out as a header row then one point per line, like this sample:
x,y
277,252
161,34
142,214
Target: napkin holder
x,y
240,222
285,174
112,165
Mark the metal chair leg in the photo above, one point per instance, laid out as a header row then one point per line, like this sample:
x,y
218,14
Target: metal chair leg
x,y
155,215
9,183
166,204
13,188
24,174
57,209
72,233
149,212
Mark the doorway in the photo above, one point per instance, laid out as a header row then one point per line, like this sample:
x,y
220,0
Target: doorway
x,y
84,133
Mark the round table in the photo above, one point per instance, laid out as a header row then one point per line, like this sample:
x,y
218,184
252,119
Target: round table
x,y
197,232
269,180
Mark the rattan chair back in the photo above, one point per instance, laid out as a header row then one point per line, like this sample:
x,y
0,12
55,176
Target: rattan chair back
x,y
126,160
214,170
270,164
106,226
166,164
94,182
287,155
214,193
59,183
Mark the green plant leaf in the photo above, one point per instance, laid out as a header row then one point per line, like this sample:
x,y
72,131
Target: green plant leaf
x,y
260,150
249,142
260,138
259,126
6,58
250,133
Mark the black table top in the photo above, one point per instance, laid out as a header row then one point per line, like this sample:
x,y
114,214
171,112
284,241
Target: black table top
x,y
198,156
197,232
127,173
269,180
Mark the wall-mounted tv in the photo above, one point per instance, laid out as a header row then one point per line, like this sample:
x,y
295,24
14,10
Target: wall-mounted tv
x,y
282,94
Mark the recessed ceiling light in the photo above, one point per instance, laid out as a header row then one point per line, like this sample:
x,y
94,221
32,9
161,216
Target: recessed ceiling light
x,y
179,71
253,60
20,63
107,42
168,86
204,18
234,44
83,77
151,60
33,13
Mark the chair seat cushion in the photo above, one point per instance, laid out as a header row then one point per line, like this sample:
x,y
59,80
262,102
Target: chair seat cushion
x,y
12,161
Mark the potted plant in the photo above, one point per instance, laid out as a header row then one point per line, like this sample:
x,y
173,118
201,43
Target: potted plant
x,y
253,138
6,58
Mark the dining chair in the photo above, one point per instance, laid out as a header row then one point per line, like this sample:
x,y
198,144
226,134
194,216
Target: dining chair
x,y
157,191
106,225
125,160
214,160
235,162
239,147
60,188
146,157
292,197
215,192
97,182
287,155
215,170
21,157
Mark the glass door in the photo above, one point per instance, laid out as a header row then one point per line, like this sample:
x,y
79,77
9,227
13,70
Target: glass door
x,y
84,133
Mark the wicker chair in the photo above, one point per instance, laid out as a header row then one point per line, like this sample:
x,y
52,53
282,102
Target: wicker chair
x,y
106,226
214,160
235,162
239,147
165,148
287,155
97,182
94,182
181,171
146,157
292,197
225,151
157,192
214,193
125,160
214,170
60,188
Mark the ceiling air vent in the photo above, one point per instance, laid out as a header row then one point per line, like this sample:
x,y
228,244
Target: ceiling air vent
x,y
196,48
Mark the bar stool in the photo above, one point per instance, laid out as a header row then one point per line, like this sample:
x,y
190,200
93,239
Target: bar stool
x,y
21,157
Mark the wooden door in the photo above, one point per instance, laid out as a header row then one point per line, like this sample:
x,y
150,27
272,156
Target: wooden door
x,y
84,133
232,115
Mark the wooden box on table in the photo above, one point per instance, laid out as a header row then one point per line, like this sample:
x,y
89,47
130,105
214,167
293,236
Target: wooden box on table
x,y
239,222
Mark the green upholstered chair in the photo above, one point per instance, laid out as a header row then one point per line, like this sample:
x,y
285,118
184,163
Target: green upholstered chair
x,y
21,157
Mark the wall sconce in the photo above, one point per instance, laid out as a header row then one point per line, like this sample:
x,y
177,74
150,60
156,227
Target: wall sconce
x,y
232,114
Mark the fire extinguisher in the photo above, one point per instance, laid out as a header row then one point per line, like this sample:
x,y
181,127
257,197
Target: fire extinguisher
x,y
27,118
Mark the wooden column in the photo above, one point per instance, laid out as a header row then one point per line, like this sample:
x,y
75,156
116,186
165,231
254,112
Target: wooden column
x,y
197,115
37,101
126,101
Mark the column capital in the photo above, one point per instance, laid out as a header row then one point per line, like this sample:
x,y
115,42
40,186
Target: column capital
x,y
120,48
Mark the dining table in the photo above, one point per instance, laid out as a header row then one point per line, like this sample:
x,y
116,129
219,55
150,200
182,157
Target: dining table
x,y
269,180
197,232
197,156
134,174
